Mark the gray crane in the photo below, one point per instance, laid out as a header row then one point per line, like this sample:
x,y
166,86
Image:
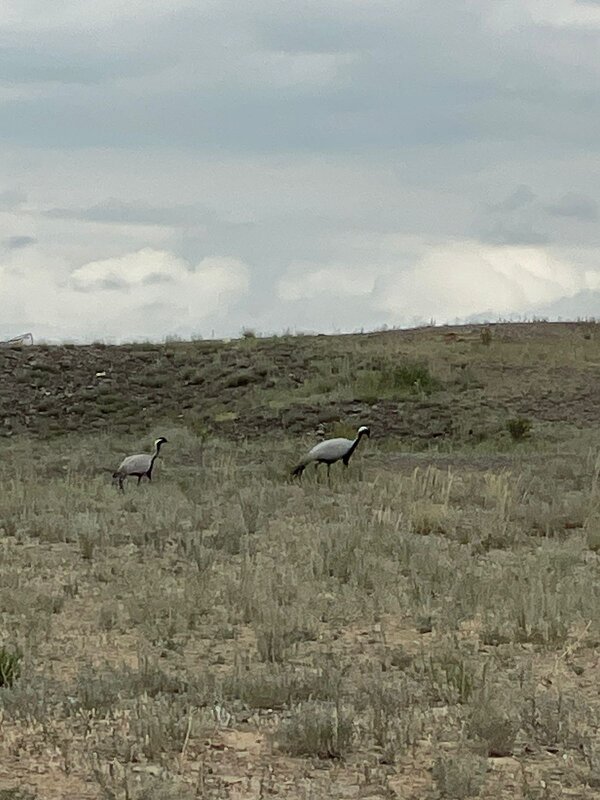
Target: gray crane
x,y
330,451
139,465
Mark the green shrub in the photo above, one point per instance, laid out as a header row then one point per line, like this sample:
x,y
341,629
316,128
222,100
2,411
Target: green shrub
x,y
10,666
390,380
519,428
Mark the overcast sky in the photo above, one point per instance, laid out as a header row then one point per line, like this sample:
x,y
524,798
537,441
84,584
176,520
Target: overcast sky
x,y
195,168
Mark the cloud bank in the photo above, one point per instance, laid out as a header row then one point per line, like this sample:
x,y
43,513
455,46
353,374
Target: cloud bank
x,y
138,295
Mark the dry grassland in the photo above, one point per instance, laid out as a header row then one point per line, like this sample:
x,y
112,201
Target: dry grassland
x,y
425,627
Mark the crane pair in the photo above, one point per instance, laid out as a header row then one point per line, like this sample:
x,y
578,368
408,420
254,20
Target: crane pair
x,y
326,452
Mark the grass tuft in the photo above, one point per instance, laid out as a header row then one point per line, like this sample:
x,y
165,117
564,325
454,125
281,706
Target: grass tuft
x,y
10,666
320,729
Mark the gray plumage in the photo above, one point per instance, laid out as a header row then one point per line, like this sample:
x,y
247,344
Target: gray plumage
x,y
330,451
139,465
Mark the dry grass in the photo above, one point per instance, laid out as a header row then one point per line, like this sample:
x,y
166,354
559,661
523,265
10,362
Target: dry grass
x,y
221,626
425,627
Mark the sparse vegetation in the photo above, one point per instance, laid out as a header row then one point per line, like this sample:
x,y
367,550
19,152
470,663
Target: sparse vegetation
x,y
425,626
459,775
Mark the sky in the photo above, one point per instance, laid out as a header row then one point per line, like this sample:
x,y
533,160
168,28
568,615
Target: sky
x,y
194,169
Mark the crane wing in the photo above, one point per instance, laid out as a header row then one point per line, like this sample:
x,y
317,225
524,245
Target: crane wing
x,y
330,449
134,464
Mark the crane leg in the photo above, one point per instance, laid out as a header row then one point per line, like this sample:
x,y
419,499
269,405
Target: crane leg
x,y
328,474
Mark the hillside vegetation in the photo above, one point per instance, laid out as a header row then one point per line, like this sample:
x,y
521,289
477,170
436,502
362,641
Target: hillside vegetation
x,y
423,384
426,626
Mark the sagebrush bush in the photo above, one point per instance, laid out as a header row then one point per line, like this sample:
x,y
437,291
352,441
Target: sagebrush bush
x,y
495,720
519,428
486,337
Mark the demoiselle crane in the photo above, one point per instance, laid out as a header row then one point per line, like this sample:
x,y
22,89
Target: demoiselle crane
x,y
330,451
139,465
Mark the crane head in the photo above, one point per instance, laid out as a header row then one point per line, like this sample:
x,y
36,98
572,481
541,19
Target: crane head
x,y
364,430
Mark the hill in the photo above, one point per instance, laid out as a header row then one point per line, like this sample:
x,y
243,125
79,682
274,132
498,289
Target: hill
x,y
418,384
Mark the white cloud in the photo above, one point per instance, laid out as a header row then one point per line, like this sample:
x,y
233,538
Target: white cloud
x,y
464,278
131,271
305,68
145,294
564,12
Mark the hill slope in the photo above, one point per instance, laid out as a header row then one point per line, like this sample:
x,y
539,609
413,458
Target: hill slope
x,y
430,382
